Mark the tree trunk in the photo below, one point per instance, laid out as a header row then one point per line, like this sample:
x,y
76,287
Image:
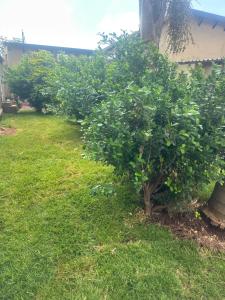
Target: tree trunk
x,y
147,28
149,188
147,200
152,16
215,208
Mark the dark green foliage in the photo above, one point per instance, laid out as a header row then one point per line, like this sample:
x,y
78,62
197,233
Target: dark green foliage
x,y
164,130
127,60
28,79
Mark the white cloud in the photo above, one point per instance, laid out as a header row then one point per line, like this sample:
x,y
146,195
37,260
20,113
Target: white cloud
x,y
56,22
116,22
44,21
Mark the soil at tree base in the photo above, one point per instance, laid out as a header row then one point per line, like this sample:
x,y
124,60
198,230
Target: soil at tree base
x,y
187,226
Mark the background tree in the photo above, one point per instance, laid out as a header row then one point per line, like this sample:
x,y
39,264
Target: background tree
x,y
76,84
79,84
155,13
28,79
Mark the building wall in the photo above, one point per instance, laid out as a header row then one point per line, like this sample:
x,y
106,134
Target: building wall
x,y
1,84
209,42
14,52
13,56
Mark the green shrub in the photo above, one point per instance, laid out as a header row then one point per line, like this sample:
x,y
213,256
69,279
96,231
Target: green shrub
x,y
77,84
164,130
161,128
81,83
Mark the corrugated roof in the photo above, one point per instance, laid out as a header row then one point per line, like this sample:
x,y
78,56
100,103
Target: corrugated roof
x,y
57,49
201,60
203,15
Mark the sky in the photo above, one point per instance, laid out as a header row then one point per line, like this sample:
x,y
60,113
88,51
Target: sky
x,y
75,23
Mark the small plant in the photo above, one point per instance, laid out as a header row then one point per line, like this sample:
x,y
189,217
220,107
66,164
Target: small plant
x,y
106,190
198,215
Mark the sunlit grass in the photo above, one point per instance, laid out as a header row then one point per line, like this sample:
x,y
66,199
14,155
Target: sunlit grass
x,y
59,241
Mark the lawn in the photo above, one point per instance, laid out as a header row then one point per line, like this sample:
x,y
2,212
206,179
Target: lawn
x,y
58,240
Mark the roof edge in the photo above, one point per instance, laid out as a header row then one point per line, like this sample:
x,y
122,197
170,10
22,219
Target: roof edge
x,y
201,60
208,15
48,47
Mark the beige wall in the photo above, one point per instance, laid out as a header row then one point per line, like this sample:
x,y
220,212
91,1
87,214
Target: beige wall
x,y
209,43
1,84
13,56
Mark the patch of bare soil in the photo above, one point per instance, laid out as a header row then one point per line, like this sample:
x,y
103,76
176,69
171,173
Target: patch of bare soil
x,y
187,226
25,107
7,131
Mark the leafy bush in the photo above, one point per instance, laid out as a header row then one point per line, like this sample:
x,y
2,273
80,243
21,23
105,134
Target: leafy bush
x,y
28,79
81,83
127,60
76,84
164,130
161,128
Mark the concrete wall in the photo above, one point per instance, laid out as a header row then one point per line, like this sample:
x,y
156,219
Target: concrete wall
x,y
209,42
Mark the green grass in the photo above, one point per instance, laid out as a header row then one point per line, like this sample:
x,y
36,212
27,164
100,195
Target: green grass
x,y
58,241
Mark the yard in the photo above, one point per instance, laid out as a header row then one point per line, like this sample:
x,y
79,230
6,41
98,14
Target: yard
x,y
58,240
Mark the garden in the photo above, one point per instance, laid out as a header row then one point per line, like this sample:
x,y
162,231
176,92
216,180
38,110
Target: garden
x,y
102,187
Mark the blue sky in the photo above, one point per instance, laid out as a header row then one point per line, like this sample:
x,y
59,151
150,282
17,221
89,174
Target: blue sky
x,y
75,23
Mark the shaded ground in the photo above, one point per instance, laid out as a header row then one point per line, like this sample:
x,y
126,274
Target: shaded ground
x,y
59,241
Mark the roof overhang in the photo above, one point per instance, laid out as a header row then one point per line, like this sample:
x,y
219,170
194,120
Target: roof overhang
x,y
55,49
203,61
203,16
